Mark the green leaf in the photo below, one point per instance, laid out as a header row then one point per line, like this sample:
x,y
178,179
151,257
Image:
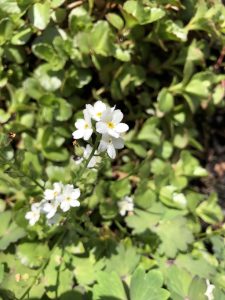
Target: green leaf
x,y
137,148
9,6
115,20
210,211
120,188
143,14
6,30
175,236
64,111
197,266
147,286
39,15
102,39
82,265
165,100
9,232
56,275
178,281
56,3
143,220
32,254
18,278
150,132
22,36
46,52
109,287
124,261
198,88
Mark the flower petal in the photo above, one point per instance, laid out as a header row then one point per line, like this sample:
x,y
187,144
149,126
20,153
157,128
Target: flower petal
x,y
102,146
113,133
80,123
90,109
111,151
51,213
49,194
99,106
101,127
87,134
87,117
121,127
107,115
117,116
78,134
74,203
65,206
29,215
76,193
118,143
57,187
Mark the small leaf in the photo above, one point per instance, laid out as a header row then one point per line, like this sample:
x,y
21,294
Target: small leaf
x,y
147,286
109,287
115,20
39,15
165,100
120,188
210,211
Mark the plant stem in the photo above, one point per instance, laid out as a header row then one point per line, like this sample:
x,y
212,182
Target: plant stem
x,y
205,235
89,158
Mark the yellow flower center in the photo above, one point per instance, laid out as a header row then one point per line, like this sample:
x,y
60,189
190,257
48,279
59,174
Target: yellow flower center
x,y
99,114
68,198
110,125
55,194
86,125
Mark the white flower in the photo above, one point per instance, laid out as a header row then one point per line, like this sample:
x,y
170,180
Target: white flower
x,y
84,127
34,215
125,205
110,123
69,197
110,144
50,207
52,194
87,152
209,290
96,110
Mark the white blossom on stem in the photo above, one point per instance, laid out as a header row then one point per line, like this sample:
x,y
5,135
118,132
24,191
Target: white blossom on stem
x,y
50,207
69,197
86,154
96,110
110,144
110,123
84,127
126,205
50,194
34,214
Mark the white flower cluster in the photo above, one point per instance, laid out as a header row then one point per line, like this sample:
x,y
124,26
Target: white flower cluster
x,y
107,123
60,197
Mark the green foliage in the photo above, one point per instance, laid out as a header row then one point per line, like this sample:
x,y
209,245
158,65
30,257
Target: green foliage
x,y
161,63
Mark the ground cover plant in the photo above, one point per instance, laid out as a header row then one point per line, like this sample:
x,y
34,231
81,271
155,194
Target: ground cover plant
x,y
112,150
